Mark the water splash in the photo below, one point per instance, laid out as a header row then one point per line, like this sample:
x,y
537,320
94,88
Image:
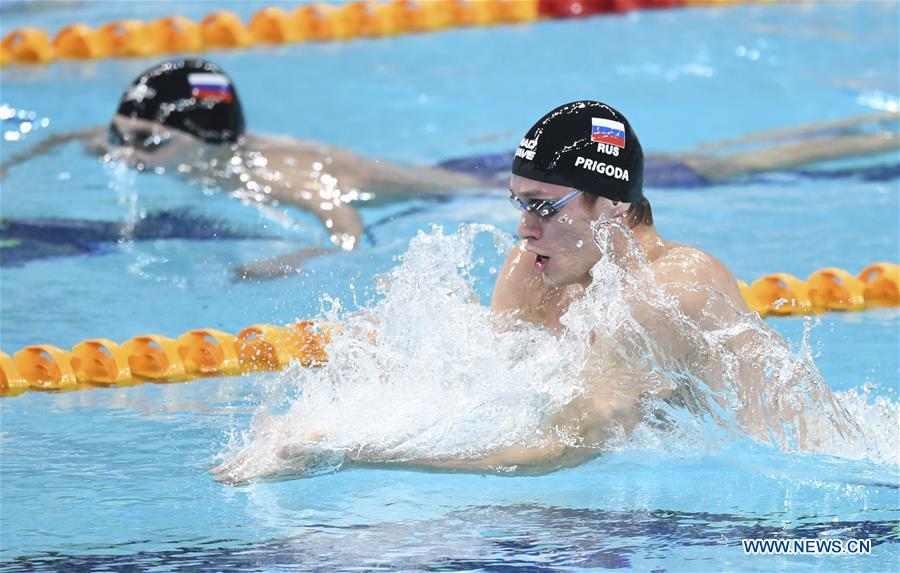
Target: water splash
x,y
427,372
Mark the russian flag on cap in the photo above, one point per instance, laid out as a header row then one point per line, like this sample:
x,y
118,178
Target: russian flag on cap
x,y
608,131
211,86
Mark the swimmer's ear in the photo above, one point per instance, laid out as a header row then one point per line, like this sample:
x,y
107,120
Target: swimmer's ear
x,y
619,209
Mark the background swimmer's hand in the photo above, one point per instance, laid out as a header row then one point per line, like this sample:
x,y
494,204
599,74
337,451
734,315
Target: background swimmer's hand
x,y
278,267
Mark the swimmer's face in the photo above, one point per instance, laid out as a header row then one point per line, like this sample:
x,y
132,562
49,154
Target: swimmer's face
x,y
146,144
562,245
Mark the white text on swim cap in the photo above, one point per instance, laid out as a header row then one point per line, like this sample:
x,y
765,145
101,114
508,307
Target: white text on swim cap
x,y
602,168
526,148
608,149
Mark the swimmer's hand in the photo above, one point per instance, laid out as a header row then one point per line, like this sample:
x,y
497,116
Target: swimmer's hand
x,y
258,464
278,267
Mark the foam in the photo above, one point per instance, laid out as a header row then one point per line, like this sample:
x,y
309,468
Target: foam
x,y
445,378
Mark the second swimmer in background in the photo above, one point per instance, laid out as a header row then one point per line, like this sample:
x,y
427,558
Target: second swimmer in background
x,y
184,117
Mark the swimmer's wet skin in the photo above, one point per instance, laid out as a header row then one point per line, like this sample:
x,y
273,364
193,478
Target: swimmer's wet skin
x,y
664,325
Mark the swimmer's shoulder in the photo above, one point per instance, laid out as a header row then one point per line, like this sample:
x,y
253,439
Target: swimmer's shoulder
x,y
687,266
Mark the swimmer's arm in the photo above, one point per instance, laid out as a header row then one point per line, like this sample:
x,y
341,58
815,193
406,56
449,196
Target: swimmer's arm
x,y
519,291
510,292
336,215
374,175
793,155
49,144
384,176
574,435
380,175
518,460
275,267
796,131
340,219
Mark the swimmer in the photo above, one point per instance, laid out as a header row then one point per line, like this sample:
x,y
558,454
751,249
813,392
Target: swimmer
x,y
788,149
184,117
684,335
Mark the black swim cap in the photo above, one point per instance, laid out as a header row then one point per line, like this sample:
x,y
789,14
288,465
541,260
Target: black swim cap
x,y
584,145
194,96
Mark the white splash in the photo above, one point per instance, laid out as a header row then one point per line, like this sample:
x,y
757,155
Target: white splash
x,y
430,373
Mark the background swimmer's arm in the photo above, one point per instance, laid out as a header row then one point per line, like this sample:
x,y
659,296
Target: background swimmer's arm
x,y
49,144
790,155
363,173
796,131
340,219
379,175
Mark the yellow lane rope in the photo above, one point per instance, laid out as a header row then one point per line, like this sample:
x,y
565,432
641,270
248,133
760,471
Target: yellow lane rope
x,y
209,352
320,22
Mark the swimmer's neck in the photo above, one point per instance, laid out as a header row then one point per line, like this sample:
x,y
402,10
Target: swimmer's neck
x,y
649,241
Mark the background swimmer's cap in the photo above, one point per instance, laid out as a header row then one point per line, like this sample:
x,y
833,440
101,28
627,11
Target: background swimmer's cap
x,y
585,145
193,96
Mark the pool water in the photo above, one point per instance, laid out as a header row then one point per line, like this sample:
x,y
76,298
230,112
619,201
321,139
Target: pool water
x,y
116,478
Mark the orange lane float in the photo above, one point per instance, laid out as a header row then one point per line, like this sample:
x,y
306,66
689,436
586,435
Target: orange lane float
x,y
261,347
882,282
77,42
836,289
46,367
224,30
27,46
11,382
124,39
782,294
155,358
272,26
321,23
175,34
100,361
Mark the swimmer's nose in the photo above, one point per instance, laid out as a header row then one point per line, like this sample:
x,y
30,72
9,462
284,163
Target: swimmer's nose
x,y
529,226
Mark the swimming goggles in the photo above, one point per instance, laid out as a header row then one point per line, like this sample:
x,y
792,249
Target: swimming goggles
x,y
543,207
148,141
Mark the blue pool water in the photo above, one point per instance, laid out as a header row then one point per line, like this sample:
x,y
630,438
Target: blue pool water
x,y
116,478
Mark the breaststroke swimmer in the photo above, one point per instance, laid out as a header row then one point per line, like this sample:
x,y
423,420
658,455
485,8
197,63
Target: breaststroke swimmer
x,y
579,171
184,117
792,149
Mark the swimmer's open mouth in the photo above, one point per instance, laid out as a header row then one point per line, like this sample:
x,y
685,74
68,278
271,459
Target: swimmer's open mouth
x,y
540,261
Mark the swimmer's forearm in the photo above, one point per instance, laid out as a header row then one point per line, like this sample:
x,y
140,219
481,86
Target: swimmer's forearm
x,y
50,143
515,460
342,221
795,131
792,155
